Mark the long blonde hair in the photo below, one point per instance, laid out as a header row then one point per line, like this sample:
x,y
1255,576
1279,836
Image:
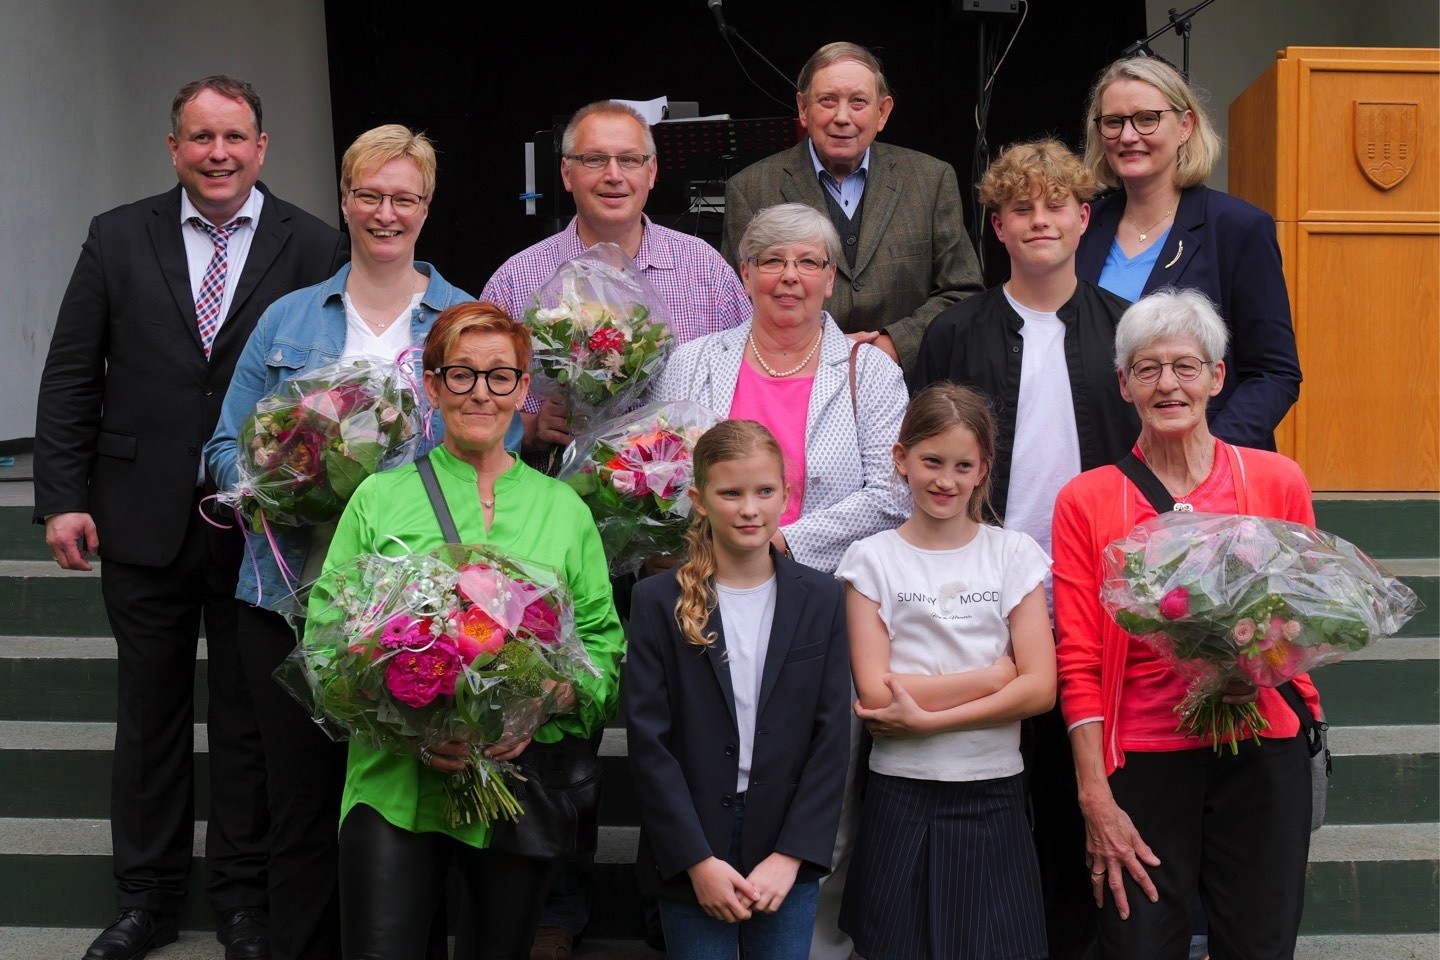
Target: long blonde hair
x,y
728,440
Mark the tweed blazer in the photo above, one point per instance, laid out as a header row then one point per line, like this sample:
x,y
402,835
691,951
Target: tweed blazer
x,y
913,257
851,490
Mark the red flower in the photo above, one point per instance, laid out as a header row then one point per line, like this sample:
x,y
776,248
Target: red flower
x,y
1175,605
607,338
478,634
417,677
542,621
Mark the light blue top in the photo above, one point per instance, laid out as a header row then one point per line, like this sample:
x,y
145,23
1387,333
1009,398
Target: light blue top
x,y
848,192
300,332
1125,276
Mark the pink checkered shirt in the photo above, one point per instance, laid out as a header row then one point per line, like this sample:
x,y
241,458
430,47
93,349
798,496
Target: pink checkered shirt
x,y
701,291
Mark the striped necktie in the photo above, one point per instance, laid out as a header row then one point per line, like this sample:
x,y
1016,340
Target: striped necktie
x,y
212,286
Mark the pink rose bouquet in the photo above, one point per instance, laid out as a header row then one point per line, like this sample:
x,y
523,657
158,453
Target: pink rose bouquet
x,y
308,445
634,474
403,653
600,331
1223,597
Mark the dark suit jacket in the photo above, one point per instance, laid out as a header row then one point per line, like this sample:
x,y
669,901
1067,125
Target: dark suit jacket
x,y
1225,248
913,259
683,738
128,399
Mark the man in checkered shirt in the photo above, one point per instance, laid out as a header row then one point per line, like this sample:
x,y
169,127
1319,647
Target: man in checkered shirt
x,y
608,166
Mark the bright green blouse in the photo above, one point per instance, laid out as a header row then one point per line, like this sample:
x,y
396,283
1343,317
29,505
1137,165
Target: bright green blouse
x,y
536,518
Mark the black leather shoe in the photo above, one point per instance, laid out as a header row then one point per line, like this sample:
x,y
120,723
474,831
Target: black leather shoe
x,y
244,934
133,934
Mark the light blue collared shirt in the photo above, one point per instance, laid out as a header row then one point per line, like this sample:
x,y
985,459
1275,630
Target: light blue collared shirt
x,y
848,192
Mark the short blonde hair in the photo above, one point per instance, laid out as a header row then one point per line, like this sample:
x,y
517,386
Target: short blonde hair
x,y
377,147
473,316
1199,154
1043,167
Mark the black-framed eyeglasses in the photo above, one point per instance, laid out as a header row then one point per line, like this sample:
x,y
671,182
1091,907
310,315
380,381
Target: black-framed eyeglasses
x,y
1144,121
809,266
461,380
1184,368
629,162
399,202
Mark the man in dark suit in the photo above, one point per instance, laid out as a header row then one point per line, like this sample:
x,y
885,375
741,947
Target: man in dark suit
x,y
898,212
161,302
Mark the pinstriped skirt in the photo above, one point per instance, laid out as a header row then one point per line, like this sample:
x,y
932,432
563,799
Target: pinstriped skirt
x,y
944,871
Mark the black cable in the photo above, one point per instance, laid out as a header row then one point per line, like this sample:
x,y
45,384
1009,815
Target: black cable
x,y
736,54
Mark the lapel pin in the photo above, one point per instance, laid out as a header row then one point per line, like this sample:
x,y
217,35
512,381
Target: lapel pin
x,y
1178,250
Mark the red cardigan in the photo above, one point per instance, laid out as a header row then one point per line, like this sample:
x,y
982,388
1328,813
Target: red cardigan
x,y
1098,507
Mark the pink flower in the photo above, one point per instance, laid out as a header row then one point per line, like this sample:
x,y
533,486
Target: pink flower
x,y
484,586
624,482
1291,630
1175,604
1243,632
1274,664
1274,633
541,620
417,677
478,634
403,630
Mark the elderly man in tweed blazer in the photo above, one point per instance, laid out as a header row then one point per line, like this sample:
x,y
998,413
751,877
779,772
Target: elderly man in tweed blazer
x,y
898,211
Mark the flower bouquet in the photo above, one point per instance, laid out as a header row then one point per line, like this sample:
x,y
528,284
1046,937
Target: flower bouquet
x,y
308,445
462,643
600,330
633,473
1224,597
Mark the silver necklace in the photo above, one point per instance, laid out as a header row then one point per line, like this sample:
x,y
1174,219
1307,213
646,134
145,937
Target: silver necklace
x,y
393,314
793,370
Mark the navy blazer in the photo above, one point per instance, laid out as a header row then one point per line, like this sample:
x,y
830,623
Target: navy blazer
x,y
1225,248
683,737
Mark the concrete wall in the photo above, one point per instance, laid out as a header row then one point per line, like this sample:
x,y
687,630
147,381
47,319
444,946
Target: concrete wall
x,y
1234,41
85,91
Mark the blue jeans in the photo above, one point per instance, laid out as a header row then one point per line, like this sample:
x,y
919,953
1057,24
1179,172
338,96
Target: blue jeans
x,y
690,934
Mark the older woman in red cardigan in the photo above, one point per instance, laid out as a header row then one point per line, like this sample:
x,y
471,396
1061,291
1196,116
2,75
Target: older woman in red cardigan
x,y
1166,813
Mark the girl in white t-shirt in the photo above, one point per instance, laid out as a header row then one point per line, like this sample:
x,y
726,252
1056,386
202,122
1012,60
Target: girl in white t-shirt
x,y
951,648
737,701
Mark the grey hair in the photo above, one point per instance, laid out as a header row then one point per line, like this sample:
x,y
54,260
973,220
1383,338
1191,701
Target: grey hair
x,y
1198,155
1170,314
786,224
833,53
612,108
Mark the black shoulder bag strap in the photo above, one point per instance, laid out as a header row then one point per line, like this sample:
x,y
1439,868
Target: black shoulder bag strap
x,y
1143,477
437,499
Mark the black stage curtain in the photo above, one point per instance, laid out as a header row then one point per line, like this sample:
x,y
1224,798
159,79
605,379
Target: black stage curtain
x,y
482,78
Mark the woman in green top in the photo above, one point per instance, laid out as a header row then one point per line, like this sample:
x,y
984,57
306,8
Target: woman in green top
x,y
395,840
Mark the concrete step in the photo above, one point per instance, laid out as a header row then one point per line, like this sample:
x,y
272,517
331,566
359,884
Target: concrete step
x,y
1388,527
1373,879
1401,946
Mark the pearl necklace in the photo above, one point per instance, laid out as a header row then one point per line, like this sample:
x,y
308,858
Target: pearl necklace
x,y
793,370
1145,234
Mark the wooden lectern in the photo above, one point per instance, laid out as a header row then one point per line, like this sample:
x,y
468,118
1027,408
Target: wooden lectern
x,y
1342,146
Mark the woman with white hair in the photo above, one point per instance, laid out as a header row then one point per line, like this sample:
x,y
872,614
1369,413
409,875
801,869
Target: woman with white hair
x,y
1168,813
835,406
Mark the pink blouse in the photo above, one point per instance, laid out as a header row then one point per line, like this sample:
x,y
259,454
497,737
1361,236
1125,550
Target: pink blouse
x,y
782,405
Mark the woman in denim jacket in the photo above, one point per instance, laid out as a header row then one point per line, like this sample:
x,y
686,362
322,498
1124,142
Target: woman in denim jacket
x,y
378,305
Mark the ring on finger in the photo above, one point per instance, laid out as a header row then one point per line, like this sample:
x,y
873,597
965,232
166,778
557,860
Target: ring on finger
x,y
427,757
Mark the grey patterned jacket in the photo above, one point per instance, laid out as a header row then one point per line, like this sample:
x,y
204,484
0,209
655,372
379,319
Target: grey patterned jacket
x,y
851,490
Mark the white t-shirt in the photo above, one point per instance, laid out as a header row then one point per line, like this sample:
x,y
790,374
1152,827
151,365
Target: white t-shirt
x,y
1046,453
747,616
947,612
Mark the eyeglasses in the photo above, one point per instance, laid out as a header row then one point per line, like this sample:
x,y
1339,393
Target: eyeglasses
x,y
461,380
629,162
1144,121
806,266
400,202
1185,368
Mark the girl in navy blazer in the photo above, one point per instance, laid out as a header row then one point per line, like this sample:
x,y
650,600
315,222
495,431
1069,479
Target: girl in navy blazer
x,y
737,695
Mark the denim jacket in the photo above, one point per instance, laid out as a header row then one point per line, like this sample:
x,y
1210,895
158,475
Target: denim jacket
x,y
299,332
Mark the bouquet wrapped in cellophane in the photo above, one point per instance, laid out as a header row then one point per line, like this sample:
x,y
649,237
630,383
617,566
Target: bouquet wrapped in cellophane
x,y
634,473
309,444
461,643
600,331
1223,597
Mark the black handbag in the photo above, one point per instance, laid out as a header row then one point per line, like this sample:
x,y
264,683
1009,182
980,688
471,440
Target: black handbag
x,y
1316,730
561,790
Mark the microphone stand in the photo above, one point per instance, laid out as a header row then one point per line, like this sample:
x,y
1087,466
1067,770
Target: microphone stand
x,y
728,31
1181,23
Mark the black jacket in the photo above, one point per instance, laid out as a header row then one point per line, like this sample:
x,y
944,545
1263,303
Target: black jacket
x,y
977,343
683,738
